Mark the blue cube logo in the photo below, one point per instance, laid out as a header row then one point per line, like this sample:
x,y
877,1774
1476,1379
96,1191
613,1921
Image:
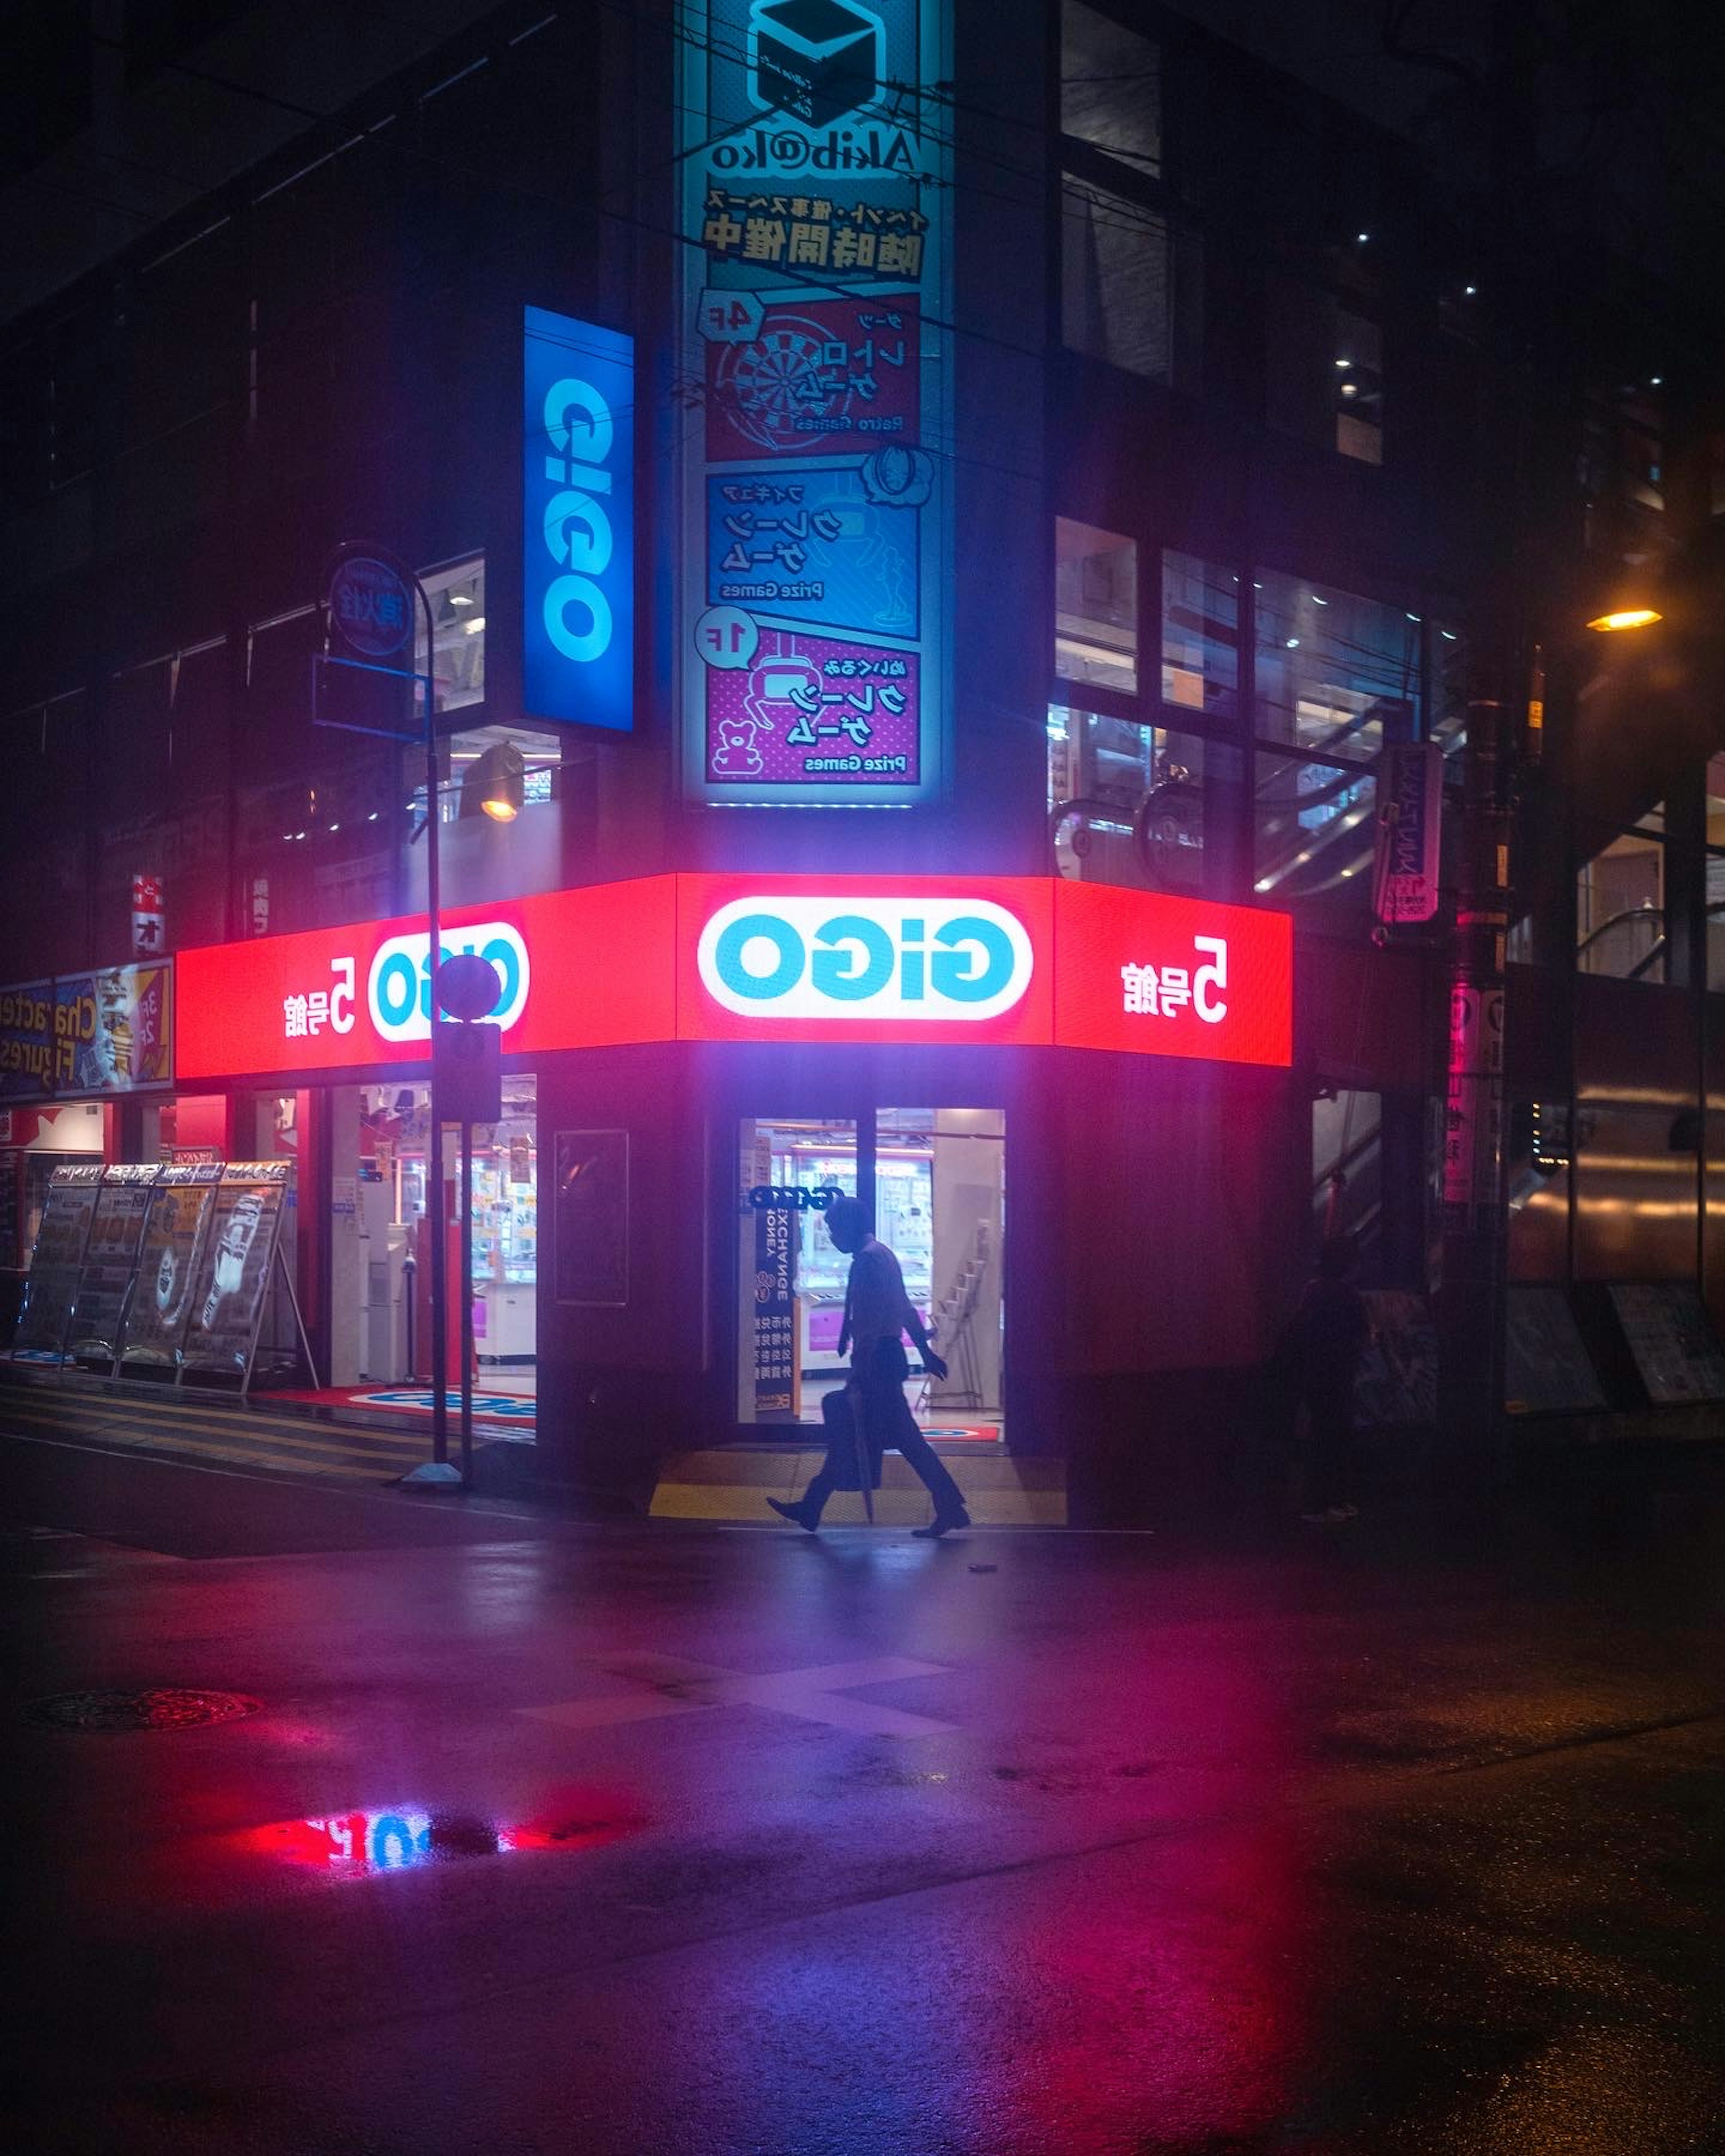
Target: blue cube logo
x,y
813,61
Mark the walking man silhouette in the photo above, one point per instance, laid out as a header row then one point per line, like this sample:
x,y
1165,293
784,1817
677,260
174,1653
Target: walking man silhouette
x,y
878,1313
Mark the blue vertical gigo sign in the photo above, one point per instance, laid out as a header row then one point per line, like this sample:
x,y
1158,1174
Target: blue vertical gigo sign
x,y
577,522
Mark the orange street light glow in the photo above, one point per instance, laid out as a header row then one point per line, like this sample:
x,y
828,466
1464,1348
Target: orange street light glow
x,y
1629,618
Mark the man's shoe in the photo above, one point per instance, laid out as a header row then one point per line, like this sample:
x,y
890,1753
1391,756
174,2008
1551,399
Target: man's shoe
x,y
942,1523
794,1513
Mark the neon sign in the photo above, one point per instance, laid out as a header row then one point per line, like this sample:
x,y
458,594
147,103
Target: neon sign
x,y
815,568
1022,961
577,510
398,981
851,958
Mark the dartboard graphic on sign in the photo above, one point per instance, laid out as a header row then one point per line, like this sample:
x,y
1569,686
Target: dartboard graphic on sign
x,y
828,371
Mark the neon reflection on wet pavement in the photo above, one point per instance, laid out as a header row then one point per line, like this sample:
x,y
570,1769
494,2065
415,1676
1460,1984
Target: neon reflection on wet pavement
x,y
359,1843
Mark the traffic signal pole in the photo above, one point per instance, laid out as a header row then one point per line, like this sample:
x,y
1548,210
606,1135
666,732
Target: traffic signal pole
x,y
1470,1295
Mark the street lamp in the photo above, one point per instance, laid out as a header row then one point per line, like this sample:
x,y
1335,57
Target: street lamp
x,y
370,599
496,784
1627,617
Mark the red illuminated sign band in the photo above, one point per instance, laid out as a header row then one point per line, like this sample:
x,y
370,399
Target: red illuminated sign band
x,y
1024,961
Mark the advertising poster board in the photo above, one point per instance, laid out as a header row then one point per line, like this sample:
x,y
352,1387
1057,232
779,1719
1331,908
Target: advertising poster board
x,y
592,1218
815,461
110,1258
27,1041
181,1205
58,1259
1398,1373
775,1310
114,1030
232,1275
1547,1368
106,1032
1672,1338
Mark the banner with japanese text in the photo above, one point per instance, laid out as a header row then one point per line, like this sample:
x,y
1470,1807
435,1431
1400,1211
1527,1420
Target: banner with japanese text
x,y
106,1032
816,383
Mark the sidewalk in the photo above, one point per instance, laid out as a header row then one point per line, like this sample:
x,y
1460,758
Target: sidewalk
x,y
204,1426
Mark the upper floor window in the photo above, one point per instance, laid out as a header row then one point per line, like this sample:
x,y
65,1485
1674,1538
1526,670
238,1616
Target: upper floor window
x,y
1115,281
1336,675
1200,635
1622,471
1110,88
1117,257
1095,606
457,593
1326,369
1619,902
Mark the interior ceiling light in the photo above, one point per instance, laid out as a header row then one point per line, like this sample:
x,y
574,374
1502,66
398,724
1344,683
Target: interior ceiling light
x,y
473,627
460,598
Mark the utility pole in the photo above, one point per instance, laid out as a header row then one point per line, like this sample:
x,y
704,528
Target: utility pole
x,y
1469,1301
1471,1298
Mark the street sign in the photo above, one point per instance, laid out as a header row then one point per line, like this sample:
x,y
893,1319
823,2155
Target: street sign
x,y
1410,801
371,606
467,1072
469,986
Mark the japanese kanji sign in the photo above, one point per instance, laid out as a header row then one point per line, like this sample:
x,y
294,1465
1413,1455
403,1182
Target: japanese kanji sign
x,y
814,462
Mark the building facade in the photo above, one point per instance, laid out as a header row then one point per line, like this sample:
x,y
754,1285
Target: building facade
x,y
1020,477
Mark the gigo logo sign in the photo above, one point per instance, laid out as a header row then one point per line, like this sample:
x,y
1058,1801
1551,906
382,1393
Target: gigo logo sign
x,y
398,986
577,628
936,958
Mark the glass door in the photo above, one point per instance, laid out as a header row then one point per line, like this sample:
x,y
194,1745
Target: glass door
x,y
934,1181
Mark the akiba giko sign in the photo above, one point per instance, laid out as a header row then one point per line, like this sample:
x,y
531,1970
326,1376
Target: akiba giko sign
x,y
577,522
814,461
1023,961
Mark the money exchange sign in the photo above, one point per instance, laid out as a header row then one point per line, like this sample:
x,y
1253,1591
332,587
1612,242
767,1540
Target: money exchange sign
x,y
816,472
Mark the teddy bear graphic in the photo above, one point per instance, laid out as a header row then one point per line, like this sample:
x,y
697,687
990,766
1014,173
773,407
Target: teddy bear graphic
x,y
735,751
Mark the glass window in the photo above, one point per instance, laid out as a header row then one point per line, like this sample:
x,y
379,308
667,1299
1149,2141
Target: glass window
x,y
1110,88
1138,799
1314,831
1095,606
457,593
1716,802
1359,373
1200,636
1348,1171
792,1279
1537,1171
1326,370
1115,280
1715,893
1619,905
1448,690
1336,675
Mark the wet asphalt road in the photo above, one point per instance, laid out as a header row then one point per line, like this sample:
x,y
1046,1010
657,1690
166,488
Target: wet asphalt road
x,y
562,1838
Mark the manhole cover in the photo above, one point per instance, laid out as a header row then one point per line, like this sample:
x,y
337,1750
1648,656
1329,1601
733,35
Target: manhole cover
x,y
164,1707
